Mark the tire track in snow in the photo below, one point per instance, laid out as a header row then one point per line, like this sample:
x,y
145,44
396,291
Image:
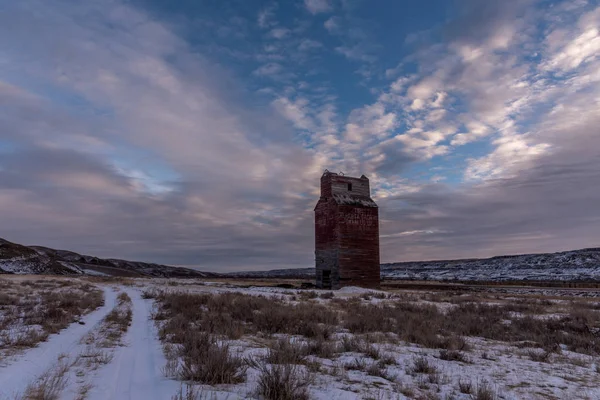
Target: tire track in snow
x,y
136,369
31,364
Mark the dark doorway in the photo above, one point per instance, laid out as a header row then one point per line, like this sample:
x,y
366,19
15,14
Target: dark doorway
x,y
326,279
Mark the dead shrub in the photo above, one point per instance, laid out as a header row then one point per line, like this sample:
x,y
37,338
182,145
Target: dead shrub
x,y
538,356
452,355
366,296
367,318
285,351
29,338
123,298
206,361
379,369
465,386
421,365
358,364
388,359
322,348
94,357
351,344
454,342
484,391
406,390
327,295
358,345
150,294
119,318
50,385
434,378
308,295
282,382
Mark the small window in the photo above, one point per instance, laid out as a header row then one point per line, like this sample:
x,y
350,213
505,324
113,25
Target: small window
x,y
349,187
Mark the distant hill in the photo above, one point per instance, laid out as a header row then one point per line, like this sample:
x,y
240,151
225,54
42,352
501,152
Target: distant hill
x,y
575,265
20,259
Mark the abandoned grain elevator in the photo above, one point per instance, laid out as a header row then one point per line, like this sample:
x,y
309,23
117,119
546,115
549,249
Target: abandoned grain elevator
x,y
346,233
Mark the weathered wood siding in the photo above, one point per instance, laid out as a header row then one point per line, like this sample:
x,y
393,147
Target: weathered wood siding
x,y
346,233
358,243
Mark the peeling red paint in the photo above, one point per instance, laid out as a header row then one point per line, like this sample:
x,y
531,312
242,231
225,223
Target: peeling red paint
x,y
346,233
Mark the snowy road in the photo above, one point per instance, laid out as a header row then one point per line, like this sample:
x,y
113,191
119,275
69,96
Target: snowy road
x,y
135,371
28,366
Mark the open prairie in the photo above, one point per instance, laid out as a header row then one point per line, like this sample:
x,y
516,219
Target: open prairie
x,y
199,339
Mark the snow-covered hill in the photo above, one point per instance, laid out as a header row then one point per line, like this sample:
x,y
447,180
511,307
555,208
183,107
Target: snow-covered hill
x,y
19,259
576,265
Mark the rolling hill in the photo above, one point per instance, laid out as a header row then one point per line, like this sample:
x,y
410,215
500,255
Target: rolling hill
x,y
19,259
575,265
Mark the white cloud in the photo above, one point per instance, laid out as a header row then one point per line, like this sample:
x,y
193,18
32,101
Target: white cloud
x,y
512,154
400,84
333,24
424,89
356,52
417,104
584,48
269,69
567,50
369,122
166,100
476,130
295,111
435,115
266,17
174,113
425,145
308,44
439,99
279,33
318,6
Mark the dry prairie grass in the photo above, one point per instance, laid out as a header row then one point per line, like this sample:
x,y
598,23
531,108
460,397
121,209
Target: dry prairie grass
x,y
299,334
50,385
207,361
282,381
428,326
31,310
112,328
233,315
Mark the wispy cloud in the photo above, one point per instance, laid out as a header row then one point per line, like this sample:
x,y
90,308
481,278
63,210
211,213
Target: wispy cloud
x,y
124,133
318,6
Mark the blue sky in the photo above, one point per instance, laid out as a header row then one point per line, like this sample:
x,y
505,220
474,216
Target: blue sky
x,y
195,133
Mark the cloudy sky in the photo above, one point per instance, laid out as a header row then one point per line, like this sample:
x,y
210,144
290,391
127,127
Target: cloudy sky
x,y
195,132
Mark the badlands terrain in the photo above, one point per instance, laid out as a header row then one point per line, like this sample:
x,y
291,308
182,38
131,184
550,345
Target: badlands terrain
x,y
568,266
19,259
140,338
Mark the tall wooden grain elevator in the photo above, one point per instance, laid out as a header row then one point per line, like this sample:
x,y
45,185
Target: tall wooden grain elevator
x,y
346,233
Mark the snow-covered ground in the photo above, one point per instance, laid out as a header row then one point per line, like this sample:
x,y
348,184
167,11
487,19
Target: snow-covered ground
x,y
576,265
23,369
81,365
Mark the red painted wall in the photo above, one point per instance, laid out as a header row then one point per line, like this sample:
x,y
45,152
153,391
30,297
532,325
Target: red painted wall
x,y
347,233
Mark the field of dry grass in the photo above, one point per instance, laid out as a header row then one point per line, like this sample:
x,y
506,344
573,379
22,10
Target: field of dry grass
x,y
423,345
98,350
237,340
33,309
